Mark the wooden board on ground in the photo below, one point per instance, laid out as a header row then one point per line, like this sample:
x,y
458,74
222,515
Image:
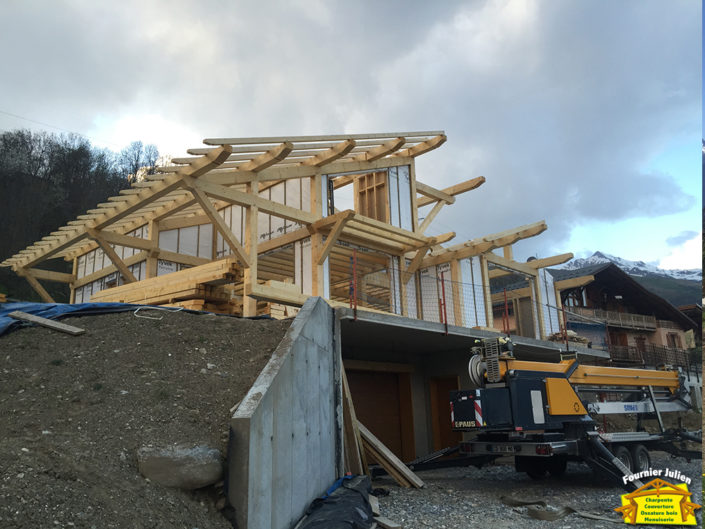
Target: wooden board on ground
x,y
44,322
391,463
374,503
386,523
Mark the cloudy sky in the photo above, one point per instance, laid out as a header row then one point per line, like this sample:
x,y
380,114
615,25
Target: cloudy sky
x,y
585,113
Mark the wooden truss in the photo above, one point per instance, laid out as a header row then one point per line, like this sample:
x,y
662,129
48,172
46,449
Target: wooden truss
x,y
194,190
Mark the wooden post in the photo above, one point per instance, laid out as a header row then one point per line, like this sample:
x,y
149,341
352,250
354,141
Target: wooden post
x,y
153,254
508,252
488,293
249,305
458,302
414,207
402,285
74,271
538,303
316,238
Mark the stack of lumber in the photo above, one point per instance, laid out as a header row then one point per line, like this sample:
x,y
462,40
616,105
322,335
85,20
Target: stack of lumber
x,y
191,288
3,298
571,335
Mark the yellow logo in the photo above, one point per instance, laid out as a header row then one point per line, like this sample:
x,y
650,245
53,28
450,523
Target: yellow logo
x,y
659,502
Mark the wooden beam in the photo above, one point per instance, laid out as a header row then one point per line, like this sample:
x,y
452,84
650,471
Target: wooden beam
x,y
512,265
381,151
453,190
37,286
111,269
424,147
332,154
537,263
433,193
50,275
247,199
414,264
219,224
268,158
173,223
112,255
431,215
334,235
330,137
574,282
133,204
125,240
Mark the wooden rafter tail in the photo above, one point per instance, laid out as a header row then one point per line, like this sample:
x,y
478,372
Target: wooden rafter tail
x,y
433,193
381,151
423,147
510,264
452,191
332,154
268,158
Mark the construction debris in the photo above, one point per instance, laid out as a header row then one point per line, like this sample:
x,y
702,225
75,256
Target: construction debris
x,y
391,463
44,322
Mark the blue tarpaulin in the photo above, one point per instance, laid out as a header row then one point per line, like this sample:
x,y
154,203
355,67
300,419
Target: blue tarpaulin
x,y
55,311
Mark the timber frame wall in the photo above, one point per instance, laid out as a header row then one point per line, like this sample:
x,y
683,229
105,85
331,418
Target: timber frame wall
x,y
244,221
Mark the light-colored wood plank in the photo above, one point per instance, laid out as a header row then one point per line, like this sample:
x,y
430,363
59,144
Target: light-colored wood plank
x,y
453,190
44,322
381,151
330,137
424,147
332,154
49,275
127,275
433,193
389,459
220,225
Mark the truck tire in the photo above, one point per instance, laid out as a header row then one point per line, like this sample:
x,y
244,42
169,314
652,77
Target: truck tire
x,y
641,460
622,453
535,467
557,465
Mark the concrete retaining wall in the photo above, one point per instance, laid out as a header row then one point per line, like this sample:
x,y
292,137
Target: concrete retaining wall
x,y
286,435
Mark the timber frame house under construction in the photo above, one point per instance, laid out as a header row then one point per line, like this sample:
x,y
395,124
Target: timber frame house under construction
x,y
251,225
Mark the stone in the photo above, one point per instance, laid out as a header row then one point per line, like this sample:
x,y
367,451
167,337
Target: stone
x,y
186,467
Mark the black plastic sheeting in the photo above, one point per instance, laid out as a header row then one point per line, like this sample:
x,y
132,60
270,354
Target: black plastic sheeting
x,y
345,506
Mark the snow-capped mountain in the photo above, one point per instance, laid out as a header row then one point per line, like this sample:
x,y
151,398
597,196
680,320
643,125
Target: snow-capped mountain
x,y
633,268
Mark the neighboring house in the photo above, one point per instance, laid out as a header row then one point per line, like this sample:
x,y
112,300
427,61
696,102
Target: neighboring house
x,y
620,315
604,305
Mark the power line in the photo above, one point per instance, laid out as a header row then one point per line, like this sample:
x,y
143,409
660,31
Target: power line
x,y
58,128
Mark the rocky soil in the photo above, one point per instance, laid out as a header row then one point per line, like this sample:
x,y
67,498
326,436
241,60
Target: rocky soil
x,y
467,497
75,410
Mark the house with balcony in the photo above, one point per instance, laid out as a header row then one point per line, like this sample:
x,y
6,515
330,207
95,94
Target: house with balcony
x,y
606,305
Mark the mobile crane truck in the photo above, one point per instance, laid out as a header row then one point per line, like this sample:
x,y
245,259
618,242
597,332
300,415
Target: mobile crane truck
x,y
540,412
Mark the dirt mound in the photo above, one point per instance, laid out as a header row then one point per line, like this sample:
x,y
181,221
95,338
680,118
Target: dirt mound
x,y
74,411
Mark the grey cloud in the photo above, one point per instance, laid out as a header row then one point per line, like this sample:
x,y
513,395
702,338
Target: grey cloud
x,y
682,237
558,104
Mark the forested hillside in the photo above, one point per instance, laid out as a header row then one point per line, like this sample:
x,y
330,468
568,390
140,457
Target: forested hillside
x,y
47,180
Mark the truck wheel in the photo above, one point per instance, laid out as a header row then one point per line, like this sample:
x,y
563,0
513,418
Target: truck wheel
x,y
557,465
622,453
640,458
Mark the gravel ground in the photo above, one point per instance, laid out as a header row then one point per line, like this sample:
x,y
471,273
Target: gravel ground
x,y
74,410
467,497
